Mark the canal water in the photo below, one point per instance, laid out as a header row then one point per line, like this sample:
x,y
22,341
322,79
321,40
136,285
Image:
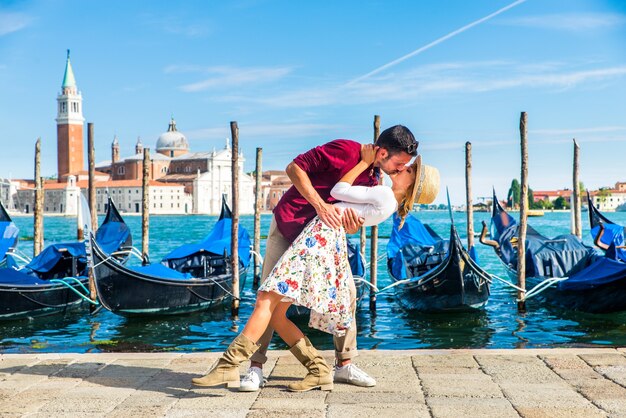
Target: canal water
x,y
498,326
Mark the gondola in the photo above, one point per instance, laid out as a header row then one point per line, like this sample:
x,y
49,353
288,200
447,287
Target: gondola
x,y
191,278
558,257
55,281
357,267
605,232
8,237
431,274
561,271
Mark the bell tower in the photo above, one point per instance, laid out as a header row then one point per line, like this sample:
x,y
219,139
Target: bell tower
x,y
69,126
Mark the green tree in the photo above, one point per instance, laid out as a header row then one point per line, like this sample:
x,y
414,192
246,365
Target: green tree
x,y
531,199
513,197
603,193
561,203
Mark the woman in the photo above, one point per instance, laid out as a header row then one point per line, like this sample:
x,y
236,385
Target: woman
x,y
314,272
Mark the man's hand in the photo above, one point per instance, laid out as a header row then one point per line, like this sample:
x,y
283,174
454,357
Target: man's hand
x,y
351,221
329,214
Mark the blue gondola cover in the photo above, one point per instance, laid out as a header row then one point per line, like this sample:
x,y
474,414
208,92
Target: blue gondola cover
x,y
217,242
50,256
159,270
602,271
11,276
113,234
413,232
613,234
8,237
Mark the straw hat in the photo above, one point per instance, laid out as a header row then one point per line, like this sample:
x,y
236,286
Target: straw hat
x,y
426,186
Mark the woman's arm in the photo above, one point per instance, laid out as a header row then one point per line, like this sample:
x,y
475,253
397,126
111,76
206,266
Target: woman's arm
x,y
345,192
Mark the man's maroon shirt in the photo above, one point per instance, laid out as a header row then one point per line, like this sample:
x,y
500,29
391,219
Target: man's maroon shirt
x,y
325,165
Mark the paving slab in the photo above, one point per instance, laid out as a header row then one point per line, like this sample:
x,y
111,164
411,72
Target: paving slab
x,y
410,383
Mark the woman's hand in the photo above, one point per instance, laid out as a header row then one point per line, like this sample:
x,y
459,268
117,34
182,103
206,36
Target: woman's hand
x,y
368,153
351,221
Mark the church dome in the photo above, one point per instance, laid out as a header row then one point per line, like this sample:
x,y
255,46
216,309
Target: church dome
x,y
172,140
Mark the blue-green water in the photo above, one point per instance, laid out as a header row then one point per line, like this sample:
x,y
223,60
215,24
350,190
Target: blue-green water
x,y
498,326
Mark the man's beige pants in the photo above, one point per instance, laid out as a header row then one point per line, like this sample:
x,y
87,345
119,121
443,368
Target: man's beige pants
x,y
275,247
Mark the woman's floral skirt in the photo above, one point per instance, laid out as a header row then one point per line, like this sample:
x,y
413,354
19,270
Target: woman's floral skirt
x,y
314,273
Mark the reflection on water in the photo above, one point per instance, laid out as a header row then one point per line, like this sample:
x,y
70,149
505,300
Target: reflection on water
x,y
498,326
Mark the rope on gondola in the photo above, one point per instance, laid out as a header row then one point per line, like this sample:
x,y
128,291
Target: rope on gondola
x,y
15,253
45,305
508,283
544,285
378,260
132,251
208,299
360,279
73,289
540,287
257,257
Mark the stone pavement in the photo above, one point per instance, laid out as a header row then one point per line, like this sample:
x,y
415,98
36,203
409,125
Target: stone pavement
x,y
416,383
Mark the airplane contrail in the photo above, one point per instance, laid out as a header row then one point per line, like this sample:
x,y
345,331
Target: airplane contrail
x,y
435,42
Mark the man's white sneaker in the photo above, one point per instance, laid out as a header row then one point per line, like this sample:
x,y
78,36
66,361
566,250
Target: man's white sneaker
x,y
352,375
252,381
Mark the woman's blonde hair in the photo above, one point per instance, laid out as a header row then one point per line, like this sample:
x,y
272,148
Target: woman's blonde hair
x,y
405,206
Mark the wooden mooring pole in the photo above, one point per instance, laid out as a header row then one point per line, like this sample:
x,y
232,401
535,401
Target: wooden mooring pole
x,y
374,239
523,215
258,199
145,206
38,206
91,161
234,234
468,195
576,190
80,233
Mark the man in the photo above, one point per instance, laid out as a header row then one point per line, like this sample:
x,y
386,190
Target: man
x,y
313,175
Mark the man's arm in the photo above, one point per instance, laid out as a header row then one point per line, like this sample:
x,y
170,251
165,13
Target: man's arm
x,y
328,213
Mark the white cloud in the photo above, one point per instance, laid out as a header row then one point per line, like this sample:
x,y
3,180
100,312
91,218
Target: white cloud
x,y
13,22
224,76
568,21
423,82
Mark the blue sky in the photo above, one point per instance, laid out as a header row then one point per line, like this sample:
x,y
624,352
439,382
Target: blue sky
x,y
298,74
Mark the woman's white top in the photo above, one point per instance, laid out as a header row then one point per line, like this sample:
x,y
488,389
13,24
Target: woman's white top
x,y
374,204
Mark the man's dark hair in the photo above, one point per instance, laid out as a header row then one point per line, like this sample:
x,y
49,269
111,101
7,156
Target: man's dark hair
x,y
398,139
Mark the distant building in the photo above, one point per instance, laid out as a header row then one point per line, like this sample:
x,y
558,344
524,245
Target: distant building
x,y
180,181
551,195
274,185
610,199
70,120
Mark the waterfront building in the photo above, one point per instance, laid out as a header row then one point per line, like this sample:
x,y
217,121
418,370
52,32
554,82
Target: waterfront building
x,y
61,198
551,195
181,181
274,185
206,176
610,199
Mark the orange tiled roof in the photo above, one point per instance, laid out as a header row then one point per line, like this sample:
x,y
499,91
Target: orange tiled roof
x,y
110,183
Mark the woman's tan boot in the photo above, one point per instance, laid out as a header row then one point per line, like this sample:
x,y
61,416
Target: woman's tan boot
x,y
226,371
319,375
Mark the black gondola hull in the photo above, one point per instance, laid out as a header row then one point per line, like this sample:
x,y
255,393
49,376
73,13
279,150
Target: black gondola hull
x,y
606,298
129,293
454,284
34,301
455,289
